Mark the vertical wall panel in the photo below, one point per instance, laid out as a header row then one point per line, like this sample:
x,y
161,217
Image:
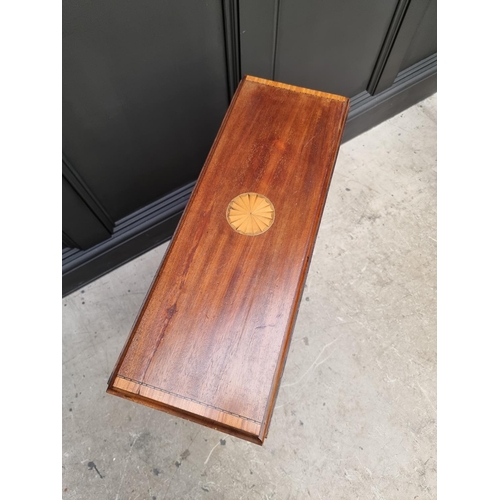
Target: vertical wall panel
x,y
144,92
331,45
258,23
424,42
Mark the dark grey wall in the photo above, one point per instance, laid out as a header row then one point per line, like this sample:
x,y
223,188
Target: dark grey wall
x,y
146,85
331,46
144,92
424,42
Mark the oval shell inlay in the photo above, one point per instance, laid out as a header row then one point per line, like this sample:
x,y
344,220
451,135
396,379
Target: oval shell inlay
x,y
250,214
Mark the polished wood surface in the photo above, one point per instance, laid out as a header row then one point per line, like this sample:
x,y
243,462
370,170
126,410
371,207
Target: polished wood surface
x,y
211,339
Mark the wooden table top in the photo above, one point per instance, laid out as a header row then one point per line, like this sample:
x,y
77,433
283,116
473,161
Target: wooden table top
x,y
211,339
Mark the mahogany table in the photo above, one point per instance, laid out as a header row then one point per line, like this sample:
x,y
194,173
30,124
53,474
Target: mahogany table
x,y
211,339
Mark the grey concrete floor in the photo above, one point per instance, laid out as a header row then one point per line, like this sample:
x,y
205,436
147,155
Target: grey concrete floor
x,y
356,412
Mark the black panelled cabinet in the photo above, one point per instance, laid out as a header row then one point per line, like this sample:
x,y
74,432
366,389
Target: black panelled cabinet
x,y
146,85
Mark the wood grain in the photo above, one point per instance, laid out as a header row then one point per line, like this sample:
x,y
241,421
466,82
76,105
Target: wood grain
x,y
211,339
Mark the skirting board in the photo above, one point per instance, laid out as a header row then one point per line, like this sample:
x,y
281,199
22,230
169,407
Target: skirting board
x,y
154,224
132,236
410,87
